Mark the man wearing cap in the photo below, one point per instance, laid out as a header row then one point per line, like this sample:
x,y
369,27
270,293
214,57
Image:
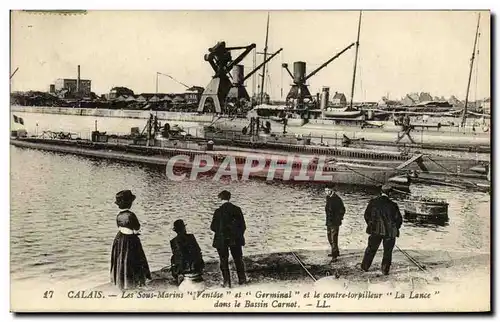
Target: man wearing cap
x,y
335,211
229,227
383,220
186,253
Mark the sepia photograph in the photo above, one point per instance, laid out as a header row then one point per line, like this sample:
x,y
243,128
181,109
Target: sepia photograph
x,y
322,161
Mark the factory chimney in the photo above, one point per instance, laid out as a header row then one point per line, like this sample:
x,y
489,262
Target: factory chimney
x,y
78,81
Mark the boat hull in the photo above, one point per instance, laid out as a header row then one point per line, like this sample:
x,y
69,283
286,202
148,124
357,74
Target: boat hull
x,y
425,209
387,132
351,174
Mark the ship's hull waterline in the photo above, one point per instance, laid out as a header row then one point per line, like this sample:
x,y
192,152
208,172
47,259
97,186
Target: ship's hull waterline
x,y
324,130
352,174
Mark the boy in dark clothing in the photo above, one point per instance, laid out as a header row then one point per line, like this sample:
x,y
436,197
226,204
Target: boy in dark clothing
x,y
335,211
186,253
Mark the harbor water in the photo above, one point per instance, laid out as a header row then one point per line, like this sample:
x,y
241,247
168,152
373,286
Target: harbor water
x,y
63,212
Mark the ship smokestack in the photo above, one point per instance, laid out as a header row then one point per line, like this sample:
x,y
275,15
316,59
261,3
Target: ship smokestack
x,y
78,80
237,73
325,93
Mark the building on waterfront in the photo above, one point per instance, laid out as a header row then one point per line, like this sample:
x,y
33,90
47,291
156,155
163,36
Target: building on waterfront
x,y
193,94
439,99
118,91
424,97
455,101
339,99
408,100
411,99
69,85
385,102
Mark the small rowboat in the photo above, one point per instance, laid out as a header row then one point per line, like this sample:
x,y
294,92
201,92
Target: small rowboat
x,y
426,208
347,113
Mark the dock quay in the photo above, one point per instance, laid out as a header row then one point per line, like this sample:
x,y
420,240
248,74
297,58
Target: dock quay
x,y
281,272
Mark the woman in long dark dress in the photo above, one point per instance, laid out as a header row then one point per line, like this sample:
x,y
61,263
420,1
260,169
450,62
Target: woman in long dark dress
x,y
129,266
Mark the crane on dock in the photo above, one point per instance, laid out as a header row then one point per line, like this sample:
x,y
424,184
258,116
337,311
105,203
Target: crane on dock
x,y
227,84
299,91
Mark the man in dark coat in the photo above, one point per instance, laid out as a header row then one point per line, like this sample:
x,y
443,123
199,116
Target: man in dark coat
x,y
186,253
335,211
383,220
229,227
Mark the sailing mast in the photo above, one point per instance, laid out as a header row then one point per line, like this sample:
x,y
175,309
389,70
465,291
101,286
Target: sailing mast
x,y
12,75
355,60
254,80
470,72
264,67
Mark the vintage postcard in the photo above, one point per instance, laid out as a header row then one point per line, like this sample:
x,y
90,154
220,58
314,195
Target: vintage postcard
x,y
250,161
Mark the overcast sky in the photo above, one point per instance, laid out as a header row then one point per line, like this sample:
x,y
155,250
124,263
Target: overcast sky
x,y
400,51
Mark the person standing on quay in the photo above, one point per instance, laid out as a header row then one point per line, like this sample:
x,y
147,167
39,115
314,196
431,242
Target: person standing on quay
x,y
383,220
335,211
229,227
129,266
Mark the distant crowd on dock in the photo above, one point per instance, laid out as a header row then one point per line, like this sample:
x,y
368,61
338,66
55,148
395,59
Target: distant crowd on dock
x,y
130,268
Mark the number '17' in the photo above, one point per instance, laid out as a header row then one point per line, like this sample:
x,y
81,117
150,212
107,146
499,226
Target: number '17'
x,y
48,294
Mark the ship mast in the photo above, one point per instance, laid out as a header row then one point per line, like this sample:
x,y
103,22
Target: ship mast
x,y
355,60
12,75
264,67
470,72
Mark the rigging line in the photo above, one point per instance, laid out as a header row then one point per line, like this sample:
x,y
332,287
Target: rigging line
x,y
412,259
269,86
447,171
303,266
373,180
438,164
361,79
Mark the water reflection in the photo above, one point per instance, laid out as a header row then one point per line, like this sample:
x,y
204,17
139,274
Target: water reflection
x,y
426,222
